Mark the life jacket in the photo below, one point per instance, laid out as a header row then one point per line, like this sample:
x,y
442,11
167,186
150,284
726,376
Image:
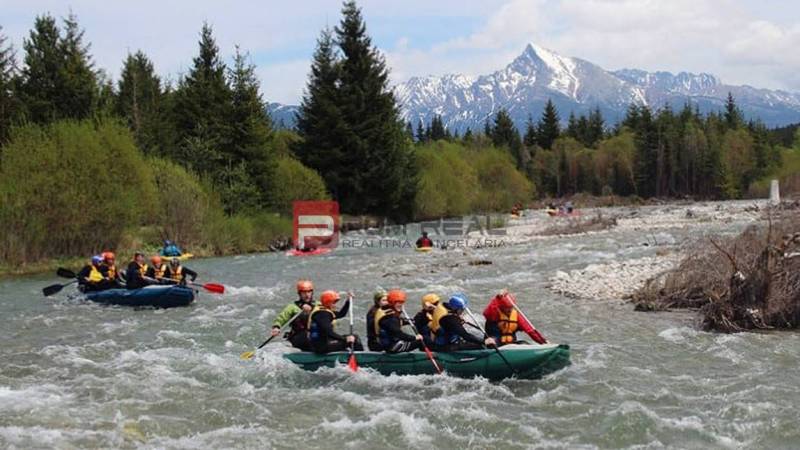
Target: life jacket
x,y
112,271
384,338
142,269
94,275
440,335
160,271
176,274
508,325
314,333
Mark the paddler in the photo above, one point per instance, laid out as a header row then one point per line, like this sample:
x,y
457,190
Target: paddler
x,y
135,275
90,278
176,273
297,334
448,325
157,269
424,241
422,320
503,321
388,324
321,332
378,301
109,269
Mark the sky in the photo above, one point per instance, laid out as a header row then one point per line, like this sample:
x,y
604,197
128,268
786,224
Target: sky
x,y
755,42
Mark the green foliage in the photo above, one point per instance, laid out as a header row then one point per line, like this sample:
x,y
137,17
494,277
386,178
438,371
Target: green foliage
x,y
226,235
548,128
70,188
500,184
9,102
140,100
505,134
183,203
447,181
295,182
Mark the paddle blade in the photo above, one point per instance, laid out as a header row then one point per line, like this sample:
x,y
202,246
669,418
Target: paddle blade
x,y
65,273
352,363
214,287
433,360
52,289
248,355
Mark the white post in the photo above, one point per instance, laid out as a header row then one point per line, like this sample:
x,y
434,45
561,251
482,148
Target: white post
x,y
774,193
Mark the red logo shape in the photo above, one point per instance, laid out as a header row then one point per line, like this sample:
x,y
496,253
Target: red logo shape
x,y
316,224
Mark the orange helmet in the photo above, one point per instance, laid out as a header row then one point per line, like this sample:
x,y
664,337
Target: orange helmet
x,y
304,286
507,301
156,260
396,296
328,298
108,256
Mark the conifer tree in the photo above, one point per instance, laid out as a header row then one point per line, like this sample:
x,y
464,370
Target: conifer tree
x,y
202,109
9,105
595,128
78,93
421,136
140,100
437,129
548,128
505,134
530,133
733,116
384,180
40,83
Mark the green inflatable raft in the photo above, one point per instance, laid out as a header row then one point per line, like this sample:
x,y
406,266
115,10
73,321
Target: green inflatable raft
x,y
527,361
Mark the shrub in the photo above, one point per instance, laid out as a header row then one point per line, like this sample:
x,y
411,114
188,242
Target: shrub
x,y
294,181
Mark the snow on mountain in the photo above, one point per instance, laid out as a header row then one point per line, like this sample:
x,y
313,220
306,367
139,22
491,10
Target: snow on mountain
x,y
575,86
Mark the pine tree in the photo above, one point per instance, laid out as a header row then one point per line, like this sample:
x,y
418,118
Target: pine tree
x,y
320,120
251,130
202,109
595,129
421,135
646,153
78,94
548,128
733,116
410,130
437,129
572,127
468,137
505,134
384,180
530,133
487,128
139,101
9,105
40,83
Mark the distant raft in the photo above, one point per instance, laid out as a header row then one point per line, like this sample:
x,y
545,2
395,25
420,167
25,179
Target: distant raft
x,y
183,256
559,213
528,361
316,251
424,249
150,296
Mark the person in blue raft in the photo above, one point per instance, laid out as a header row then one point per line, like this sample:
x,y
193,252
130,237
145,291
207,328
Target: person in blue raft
x,y
447,325
171,249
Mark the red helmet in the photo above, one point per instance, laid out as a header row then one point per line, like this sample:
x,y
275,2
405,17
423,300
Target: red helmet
x,y
507,300
108,256
396,296
328,298
305,286
156,260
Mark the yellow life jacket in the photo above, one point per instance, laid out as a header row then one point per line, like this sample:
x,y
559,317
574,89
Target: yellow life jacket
x,y
94,275
112,272
177,274
160,271
439,312
142,269
508,325
380,314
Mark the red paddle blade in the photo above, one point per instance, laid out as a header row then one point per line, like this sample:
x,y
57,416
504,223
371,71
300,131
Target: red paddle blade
x,y
214,287
352,363
433,360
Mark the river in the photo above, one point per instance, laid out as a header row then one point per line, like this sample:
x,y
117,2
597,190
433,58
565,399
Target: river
x,y
77,375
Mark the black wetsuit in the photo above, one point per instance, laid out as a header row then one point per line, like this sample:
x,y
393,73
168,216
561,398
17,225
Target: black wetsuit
x,y
422,323
372,339
453,325
134,278
329,340
397,341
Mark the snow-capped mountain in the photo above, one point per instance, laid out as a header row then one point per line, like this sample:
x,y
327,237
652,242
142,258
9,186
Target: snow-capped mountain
x,y
574,85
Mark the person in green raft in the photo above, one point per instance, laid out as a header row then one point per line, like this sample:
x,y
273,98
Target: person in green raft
x,y
300,308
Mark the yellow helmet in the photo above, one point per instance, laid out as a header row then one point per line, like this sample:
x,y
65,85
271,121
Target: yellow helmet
x,y
431,298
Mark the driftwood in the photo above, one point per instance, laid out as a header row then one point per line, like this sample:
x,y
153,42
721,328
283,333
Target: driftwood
x,y
751,281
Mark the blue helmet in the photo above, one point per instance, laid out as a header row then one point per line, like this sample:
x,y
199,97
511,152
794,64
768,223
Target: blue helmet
x,y
457,301
97,259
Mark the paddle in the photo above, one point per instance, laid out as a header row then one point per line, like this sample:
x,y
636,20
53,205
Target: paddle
x,y
351,361
65,273
519,311
424,347
55,288
211,287
486,336
250,354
